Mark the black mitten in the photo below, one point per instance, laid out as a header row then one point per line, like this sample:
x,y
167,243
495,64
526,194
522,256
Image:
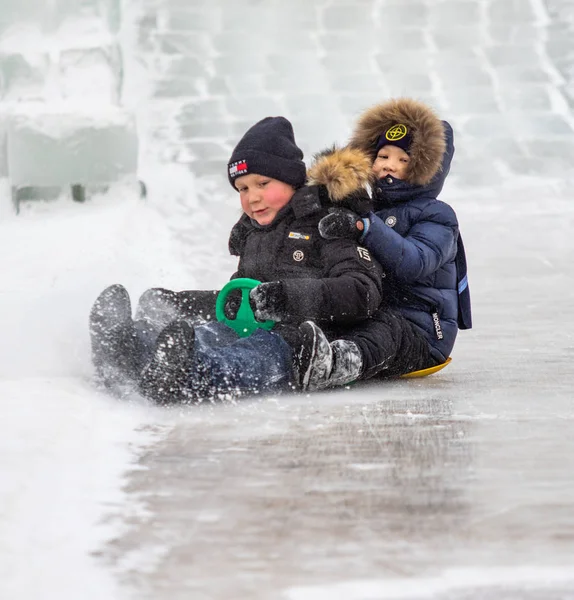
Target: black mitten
x,y
268,301
232,304
341,223
358,201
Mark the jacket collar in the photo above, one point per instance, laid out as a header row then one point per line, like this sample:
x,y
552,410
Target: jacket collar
x,y
305,201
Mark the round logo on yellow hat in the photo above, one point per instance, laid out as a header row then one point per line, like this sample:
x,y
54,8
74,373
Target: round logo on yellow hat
x,y
396,132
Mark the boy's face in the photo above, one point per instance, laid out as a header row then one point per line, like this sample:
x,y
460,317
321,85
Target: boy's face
x,y
263,197
391,160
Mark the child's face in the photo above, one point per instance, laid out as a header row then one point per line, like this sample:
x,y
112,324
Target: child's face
x,y
391,160
263,197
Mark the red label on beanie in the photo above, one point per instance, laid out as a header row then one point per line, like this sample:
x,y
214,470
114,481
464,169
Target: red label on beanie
x,y
237,168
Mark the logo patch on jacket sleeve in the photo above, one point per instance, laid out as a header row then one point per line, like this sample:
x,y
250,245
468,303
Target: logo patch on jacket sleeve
x,y
364,253
294,235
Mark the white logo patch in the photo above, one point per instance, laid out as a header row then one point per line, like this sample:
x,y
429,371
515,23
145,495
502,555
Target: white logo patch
x,y
298,255
391,221
299,236
364,253
437,327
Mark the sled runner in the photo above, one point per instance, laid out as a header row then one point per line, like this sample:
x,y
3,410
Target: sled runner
x,y
245,322
429,371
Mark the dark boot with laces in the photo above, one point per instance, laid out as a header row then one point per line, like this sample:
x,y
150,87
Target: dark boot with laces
x,y
115,352
165,379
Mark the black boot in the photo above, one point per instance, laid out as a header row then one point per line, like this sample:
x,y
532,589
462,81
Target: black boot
x,y
114,343
161,307
313,357
347,363
165,378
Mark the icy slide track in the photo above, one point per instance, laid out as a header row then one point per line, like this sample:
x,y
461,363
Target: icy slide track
x,y
458,486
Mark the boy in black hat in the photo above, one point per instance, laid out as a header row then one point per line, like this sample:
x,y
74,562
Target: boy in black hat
x,y
305,280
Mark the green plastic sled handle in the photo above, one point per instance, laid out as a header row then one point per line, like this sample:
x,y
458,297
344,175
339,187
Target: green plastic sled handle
x,y
245,322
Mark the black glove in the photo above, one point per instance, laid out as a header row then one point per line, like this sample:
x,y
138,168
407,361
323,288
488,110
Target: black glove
x,y
232,304
268,301
341,223
358,201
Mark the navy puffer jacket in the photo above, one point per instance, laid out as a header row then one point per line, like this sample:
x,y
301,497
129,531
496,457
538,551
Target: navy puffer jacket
x,y
415,237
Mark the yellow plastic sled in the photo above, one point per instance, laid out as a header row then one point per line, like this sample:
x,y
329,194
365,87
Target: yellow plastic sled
x,y
425,372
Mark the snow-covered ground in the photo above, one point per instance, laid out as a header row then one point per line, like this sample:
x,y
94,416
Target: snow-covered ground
x,y
64,447
457,486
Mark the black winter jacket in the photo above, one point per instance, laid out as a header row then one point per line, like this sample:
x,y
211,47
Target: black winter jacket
x,y
328,281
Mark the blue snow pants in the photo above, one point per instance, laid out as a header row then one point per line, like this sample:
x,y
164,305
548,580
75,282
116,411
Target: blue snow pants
x,y
224,365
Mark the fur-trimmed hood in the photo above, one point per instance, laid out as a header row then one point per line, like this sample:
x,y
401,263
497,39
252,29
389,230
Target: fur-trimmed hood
x,y
428,143
345,174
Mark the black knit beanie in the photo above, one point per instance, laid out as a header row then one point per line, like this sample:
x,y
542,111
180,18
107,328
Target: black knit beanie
x,y
268,148
396,135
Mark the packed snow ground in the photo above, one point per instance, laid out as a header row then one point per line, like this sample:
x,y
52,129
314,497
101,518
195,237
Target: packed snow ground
x,y
65,447
77,466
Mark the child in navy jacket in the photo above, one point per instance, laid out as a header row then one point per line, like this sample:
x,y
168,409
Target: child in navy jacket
x,y
413,235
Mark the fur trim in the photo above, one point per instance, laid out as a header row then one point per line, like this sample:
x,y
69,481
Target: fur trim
x,y
428,145
343,171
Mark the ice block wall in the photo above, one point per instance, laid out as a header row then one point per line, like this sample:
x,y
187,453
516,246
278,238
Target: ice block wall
x,y
61,115
500,70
